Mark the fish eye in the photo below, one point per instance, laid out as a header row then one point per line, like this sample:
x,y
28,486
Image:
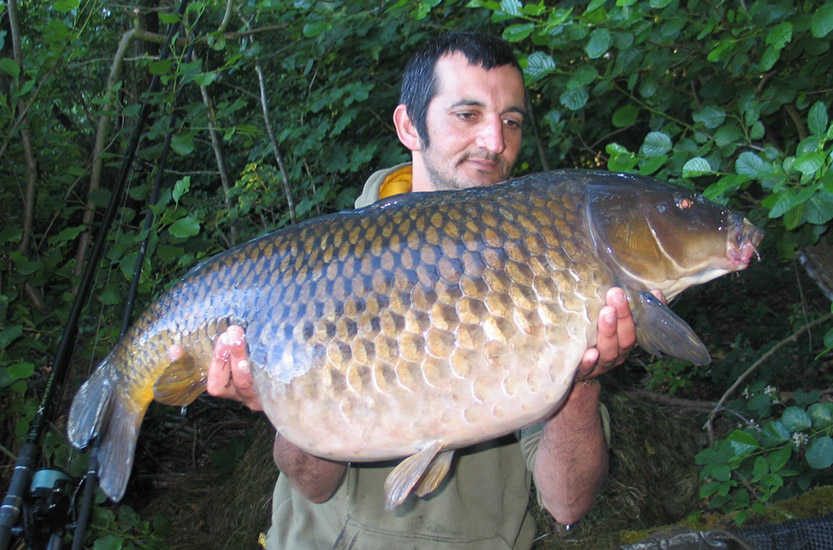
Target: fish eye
x,y
685,203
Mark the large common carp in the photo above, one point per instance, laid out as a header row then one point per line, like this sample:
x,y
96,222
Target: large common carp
x,y
424,323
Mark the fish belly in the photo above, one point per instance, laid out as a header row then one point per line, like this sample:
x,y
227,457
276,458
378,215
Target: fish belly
x,y
452,322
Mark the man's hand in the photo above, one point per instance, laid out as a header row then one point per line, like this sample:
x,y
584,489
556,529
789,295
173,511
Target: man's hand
x,y
229,375
615,336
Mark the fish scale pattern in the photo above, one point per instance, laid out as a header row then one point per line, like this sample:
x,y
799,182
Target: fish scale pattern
x,y
456,318
444,314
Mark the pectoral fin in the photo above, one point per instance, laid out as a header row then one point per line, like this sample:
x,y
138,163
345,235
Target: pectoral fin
x,y
407,474
436,473
181,383
660,331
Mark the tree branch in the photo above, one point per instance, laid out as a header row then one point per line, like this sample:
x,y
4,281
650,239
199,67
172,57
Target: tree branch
x,y
755,365
217,146
102,131
284,174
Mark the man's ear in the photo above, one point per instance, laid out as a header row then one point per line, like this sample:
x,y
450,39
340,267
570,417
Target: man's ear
x,y
405,129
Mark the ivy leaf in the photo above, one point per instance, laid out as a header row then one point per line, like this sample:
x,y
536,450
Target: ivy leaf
x,y
779,457
725,135
539,65
20,371
769,58
599,43
574,99
651,165
809,163
778,203
516,33
204,79
66,234
711,117
314,27
779,35
594,5
709,489
721,472
183,144
181,187
169,18
656,144
10,66
748,164
817,119
760,468
819,208
511,7
697,166
185,227
821,414
723,49
160,66
742,442
11,234
774,433
796,419
820,453
625,116
9,335
64,6
822,21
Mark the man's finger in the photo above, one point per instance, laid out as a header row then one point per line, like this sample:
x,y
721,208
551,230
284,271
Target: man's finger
x,y
625,329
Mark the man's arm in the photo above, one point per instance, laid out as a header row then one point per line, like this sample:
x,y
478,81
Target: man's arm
x,y
229,377
571,461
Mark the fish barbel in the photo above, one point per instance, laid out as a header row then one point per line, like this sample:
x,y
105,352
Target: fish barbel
x,y
423,323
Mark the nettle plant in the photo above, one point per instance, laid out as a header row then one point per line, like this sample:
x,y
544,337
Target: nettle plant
x,y
786,451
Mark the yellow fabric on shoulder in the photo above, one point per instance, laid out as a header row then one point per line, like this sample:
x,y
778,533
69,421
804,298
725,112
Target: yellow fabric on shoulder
x,y
397,183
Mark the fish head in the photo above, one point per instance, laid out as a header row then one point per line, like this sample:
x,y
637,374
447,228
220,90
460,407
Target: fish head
x,y
659,236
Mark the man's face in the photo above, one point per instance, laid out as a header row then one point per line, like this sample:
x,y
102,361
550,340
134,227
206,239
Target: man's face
x,y
474,124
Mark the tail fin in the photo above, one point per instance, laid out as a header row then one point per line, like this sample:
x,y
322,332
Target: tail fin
x,y
99,410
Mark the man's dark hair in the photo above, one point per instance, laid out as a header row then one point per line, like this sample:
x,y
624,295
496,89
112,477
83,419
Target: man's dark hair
x,y
419,82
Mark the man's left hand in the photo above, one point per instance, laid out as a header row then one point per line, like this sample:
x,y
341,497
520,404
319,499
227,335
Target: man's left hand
x,y
615,336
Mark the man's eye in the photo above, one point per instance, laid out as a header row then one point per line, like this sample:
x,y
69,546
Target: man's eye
x,y
466,115
512,123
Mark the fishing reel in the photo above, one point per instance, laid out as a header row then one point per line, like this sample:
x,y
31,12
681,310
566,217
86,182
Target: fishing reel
x,y
48,508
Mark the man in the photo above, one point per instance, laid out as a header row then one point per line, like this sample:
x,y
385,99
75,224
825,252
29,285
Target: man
x,y
461,116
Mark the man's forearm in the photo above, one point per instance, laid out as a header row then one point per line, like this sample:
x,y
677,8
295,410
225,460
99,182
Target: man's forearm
x,y
315,478
571,461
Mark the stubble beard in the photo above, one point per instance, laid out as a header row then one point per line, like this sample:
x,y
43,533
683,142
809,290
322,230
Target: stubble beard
x,y
446,180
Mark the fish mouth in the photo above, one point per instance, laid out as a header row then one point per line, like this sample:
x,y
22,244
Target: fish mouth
x,y
743,242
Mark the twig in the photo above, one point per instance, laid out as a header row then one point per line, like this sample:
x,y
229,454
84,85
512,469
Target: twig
x,y
8,453
290,202
759,362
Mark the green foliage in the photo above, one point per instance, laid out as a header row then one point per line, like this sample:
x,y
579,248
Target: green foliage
x,y
124,529
790,450
740,122
726,98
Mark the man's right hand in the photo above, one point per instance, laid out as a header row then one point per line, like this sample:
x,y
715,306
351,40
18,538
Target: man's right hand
x,y
229,375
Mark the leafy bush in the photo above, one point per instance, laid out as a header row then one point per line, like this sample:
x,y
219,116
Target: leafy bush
x,y
727,98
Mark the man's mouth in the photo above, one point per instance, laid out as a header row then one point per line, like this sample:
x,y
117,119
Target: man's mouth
x,y
485,164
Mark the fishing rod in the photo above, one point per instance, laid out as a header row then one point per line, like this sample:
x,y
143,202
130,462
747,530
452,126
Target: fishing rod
x,y
50,488
91,477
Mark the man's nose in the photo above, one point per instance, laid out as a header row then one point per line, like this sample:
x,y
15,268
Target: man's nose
x,y
490,137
